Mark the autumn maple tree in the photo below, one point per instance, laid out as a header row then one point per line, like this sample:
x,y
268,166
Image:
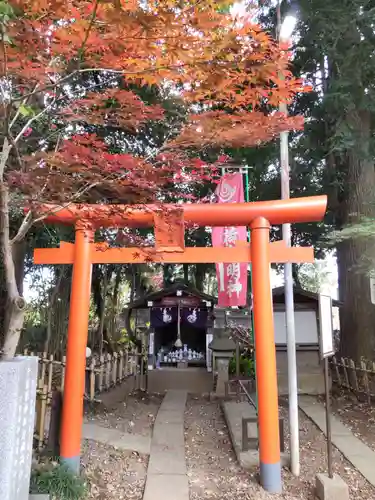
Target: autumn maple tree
x,y
229,74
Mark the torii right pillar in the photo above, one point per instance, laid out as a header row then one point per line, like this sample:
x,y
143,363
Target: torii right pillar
x,y
265,355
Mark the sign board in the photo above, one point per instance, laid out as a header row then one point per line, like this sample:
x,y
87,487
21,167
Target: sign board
x,y
142,318
306,328
185,301
372,290
209,339
326,327
151,344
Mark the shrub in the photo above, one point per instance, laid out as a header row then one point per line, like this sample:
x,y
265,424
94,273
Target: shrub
x,y
57,480
247,368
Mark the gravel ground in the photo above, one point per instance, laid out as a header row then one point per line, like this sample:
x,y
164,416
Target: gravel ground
x,y
313,460
359,417
113,474
214,473
136,414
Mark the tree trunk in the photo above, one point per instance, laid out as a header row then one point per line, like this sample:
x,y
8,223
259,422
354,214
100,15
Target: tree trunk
x,y
51,306
19,255
102,314
200,272
133,282
57,345
357,315
14,323
166,275
186,273
295,275
115,335
15,304
100,275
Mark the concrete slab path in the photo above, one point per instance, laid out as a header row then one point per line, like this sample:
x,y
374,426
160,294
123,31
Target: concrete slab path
x,y
353,449
116,438
166,474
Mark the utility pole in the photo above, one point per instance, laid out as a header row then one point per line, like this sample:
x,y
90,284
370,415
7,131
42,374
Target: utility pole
x,y
288,291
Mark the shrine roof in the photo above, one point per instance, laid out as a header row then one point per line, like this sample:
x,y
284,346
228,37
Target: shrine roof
x,y
187,290
300,295
278,295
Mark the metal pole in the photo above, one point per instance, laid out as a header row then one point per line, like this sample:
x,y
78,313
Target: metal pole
x,y
178,342
289,299
253,335
328,417
238,355
247,199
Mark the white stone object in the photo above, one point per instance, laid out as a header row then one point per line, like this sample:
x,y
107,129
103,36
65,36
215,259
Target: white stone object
x,y
18,381
331,488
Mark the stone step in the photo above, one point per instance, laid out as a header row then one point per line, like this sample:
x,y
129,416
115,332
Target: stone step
x,y
234,413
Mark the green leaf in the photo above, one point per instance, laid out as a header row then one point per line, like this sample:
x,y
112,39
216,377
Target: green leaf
x,y
26,110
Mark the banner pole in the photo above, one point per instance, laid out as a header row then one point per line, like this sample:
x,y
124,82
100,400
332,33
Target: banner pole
x,y
247,199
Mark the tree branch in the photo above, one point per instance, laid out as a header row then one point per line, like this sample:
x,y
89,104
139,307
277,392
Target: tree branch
x,y
91,24
33,119
23,103
122,72
4,157
23,229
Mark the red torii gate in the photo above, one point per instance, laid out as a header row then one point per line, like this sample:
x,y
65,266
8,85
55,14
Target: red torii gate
x,y
169,223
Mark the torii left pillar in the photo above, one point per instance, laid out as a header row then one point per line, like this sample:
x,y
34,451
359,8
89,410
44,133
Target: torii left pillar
x,y
74,386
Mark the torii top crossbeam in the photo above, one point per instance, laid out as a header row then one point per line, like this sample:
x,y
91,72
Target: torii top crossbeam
x,y
295,210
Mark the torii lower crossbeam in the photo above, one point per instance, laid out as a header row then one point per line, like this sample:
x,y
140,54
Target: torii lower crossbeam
x,y
170,248
102,254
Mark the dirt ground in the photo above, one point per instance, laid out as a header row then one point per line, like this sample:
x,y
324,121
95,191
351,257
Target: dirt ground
x,y
212,467
215,475
135,413
313,460
113,474
359,417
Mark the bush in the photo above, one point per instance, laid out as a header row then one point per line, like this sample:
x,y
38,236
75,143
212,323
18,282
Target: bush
x,y
247,368
58,481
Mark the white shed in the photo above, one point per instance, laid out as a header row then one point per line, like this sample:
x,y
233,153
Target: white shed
x,y
306,317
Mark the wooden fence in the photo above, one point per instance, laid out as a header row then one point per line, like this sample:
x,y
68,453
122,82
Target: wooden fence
x,y
102,373
357,377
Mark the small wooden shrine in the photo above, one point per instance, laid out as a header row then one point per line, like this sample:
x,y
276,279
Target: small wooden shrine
x,y
179,319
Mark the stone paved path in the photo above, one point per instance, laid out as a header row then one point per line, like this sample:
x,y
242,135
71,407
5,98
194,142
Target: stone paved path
x,y
114,437
355,451
166,474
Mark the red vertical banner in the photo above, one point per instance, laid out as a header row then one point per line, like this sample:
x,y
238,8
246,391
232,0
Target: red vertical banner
x,y
231,278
